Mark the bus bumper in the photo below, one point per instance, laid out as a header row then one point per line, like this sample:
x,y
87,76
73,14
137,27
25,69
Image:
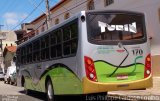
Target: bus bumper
x,y
95,87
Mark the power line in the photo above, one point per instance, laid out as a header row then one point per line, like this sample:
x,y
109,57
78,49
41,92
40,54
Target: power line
x,y
70,9
59,14
63,7
28,15
8,5
32,2
62,13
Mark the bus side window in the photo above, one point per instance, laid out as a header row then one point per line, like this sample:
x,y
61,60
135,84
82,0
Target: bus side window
x,y
56,44
45,47
36,51
70,39
74,30
29,53
74,36
23,55
66,40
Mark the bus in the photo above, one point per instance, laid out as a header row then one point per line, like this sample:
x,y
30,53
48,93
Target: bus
x,y
91,52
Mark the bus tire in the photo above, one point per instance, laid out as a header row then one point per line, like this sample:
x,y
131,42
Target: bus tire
x,y
26,91
49,91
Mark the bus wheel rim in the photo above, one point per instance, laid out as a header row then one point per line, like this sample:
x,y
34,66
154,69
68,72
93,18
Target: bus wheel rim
x,y
50,92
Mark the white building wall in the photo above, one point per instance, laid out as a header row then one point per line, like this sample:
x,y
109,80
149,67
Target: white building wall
x,y
38,25
11,38
73,7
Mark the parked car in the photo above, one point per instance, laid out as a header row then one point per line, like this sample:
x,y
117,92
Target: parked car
x,y
1,75
8,75
13,79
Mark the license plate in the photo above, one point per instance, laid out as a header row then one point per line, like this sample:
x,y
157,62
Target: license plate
x,y
122,76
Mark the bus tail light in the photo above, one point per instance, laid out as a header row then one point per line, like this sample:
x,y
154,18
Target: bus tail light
x,y
90,69
147,71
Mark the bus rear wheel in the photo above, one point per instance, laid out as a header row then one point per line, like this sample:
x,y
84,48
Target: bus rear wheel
x,y
26,91
49,91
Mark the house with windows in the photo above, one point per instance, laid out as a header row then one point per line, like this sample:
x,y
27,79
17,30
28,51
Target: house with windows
x,y
9,53
67,8
7,38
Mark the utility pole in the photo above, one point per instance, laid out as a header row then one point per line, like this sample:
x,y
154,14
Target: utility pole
x,y
48,14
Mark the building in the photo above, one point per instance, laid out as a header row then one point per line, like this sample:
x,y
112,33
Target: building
x,y
7,38
8,54
66,8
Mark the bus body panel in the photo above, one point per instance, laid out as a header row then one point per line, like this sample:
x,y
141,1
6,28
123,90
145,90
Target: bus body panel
x,y
107,59
65,81
95,87
115,65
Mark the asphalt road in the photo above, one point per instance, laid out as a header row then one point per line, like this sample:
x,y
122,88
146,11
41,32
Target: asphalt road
x,y
13,93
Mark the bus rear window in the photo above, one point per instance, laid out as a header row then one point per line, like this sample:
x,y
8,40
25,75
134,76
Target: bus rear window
x,y
114,27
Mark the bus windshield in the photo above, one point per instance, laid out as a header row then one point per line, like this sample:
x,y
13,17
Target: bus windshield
x,y
110,28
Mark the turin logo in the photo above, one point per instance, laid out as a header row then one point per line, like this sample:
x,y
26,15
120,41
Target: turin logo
x,y
127,27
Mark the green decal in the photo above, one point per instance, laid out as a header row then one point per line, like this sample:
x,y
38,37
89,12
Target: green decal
x,y
64,81
104,69
135,63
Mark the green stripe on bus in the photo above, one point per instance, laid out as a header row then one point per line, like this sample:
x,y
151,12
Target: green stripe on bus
x,y
103,70
64,81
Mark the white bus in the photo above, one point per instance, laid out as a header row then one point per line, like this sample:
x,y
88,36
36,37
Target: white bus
x,y
91,52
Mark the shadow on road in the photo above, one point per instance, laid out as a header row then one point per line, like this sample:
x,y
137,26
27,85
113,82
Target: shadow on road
x,y
42,97
37,95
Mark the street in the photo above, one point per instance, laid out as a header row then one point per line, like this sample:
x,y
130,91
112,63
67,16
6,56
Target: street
x,y
13,93
150,94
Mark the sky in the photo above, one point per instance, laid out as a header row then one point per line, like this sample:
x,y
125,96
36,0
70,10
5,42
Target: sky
x,y
13,12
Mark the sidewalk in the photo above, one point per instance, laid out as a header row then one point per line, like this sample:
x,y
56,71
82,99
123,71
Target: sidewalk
x,y
152,93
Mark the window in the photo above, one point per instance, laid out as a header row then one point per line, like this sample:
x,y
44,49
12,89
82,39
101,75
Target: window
x,y
29,53
108,2
70,39
127,28
36,50
66,16
56,44
45,47
57,21
90,5
23,55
